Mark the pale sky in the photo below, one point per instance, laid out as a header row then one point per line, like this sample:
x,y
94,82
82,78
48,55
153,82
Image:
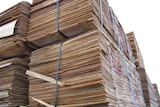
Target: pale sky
x,y
140,16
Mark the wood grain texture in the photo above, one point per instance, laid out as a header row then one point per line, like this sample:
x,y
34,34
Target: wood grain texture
x,y
138,59
13,83
86,69
148,90
43,77
75,17
13,45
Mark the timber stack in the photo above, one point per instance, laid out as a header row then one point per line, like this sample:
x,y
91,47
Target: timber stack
x,y
75,17
138,59
75,53
13,83
92,71
13,27
157,93
85,71
148,90
14,55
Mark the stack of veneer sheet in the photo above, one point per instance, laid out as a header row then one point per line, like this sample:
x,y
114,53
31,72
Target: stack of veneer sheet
x,y
138,59
13,83
124,84
75,17
148,90
86,72
13,26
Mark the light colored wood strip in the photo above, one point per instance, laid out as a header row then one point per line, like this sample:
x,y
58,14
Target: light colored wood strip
x,y
43,77
42,102
4,94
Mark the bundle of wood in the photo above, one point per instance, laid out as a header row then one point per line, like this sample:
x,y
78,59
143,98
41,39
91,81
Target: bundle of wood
x,y
75,17
13,26
13,83
138,59
123,81
148,90
92,73
156,93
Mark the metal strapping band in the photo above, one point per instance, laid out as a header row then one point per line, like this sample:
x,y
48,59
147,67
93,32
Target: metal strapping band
x,y
101,14
57,74
121,49
57,20
108,45
131,59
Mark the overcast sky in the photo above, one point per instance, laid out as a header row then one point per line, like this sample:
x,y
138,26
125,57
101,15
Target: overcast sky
x,y
140,16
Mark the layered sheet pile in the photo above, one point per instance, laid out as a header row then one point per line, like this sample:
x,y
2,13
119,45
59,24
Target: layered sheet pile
x,y
86,72
148,90
13,83
75,53
13,27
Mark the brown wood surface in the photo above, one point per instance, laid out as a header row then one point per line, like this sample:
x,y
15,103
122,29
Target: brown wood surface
x,y
138,59
75,17
13,83
148,90
13,45
85,71
85,68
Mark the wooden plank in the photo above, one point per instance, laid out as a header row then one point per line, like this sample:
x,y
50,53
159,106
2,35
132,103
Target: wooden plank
x,y
43,77
75,17
42,102
4,94
11,48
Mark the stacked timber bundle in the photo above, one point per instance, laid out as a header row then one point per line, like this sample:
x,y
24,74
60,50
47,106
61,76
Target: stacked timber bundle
x,y
157,93
123,81
148,90
92,73
75,17
13,83
13,26
138,59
